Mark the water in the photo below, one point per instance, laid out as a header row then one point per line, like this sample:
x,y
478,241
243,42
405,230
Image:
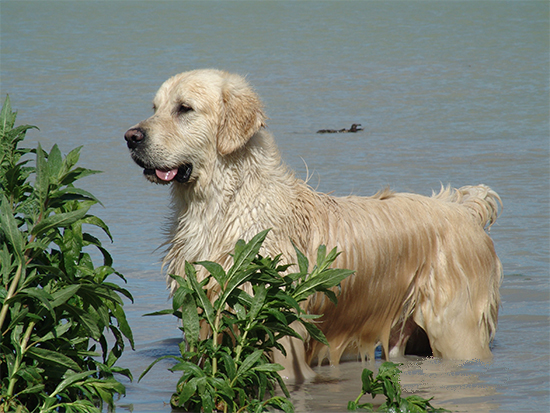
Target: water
x,y
448,92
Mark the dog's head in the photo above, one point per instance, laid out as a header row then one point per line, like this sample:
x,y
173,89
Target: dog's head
x,y
198,116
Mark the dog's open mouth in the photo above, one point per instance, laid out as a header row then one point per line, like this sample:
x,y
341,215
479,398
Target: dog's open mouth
x,y
181,174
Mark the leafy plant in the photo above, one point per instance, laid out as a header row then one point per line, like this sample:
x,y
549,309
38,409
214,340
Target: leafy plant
x,y
230,370
387,383
56,306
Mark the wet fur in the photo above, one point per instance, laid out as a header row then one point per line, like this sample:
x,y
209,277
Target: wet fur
x,y
420,262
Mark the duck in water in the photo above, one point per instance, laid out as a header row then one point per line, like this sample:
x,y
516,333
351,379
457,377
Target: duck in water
x,y
354,128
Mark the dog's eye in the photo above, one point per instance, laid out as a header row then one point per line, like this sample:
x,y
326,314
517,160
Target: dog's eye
x,y
183,108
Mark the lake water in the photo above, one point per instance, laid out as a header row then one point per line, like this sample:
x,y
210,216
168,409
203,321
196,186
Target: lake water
x,y
448,92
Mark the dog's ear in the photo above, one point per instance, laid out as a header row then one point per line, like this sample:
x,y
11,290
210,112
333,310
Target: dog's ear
x,y
242,116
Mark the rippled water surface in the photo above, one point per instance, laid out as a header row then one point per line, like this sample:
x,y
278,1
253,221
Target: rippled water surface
x,y
448,92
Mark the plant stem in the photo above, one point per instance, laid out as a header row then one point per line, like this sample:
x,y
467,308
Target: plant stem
x,y
15,282
240,348
27,336
19,359
10,294
241,341
215,333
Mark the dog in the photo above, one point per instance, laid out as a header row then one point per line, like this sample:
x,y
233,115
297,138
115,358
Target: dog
x,y
425,267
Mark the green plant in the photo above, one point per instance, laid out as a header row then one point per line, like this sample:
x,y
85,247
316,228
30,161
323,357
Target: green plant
x,y
56,306
230,370
387,383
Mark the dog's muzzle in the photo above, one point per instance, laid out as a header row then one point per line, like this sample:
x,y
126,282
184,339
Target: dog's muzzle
x,y
181,174
135,139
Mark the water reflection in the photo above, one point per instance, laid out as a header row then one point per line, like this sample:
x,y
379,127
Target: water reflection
x,y
452,385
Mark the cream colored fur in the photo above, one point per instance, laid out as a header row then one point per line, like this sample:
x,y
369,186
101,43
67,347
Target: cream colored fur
x,y
419,261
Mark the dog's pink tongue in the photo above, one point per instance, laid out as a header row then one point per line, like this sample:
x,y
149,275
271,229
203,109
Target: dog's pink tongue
x,y
166,175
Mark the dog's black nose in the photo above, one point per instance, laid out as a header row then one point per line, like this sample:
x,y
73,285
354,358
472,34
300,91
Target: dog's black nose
x,y
134,137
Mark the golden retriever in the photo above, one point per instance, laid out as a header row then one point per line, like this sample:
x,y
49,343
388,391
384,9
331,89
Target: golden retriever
x,y
424,266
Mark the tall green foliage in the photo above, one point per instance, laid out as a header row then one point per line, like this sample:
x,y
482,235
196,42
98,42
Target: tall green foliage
x,y
230,370
57,309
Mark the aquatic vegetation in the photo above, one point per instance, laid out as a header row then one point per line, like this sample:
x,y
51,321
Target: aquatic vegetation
x,y
57,308
387,384
230,370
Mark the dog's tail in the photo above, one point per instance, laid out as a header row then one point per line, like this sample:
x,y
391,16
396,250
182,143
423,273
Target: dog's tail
x,y
482,202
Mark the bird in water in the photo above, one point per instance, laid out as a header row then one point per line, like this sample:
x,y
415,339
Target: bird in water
x,y
354,128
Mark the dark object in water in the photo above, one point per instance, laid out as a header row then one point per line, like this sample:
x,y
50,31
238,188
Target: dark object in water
x,y
354,128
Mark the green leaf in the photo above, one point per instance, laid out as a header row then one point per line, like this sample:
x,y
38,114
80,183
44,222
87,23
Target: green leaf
x,y
76,174
258,300
280,403
57,332
229,364
269,367
203,300
207,399
72,158
316,333
161,312
216,270
59,220
367,377
221,386
242,297
90,324
282,385
31,374
104,388
10,229
249,362
331,296
321,255
235,281
7,117
178,297
187,366
245,255
190,319
71,246
120,316
240,311
55,161
287,300
71,378
187,391
327,279
70,194
37,293
303,262
31,390
53,357
42,182
61,296
18,317
182,282
153,363
93,220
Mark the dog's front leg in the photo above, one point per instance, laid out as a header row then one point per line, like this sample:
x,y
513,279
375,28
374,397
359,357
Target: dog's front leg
x,y
296,368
